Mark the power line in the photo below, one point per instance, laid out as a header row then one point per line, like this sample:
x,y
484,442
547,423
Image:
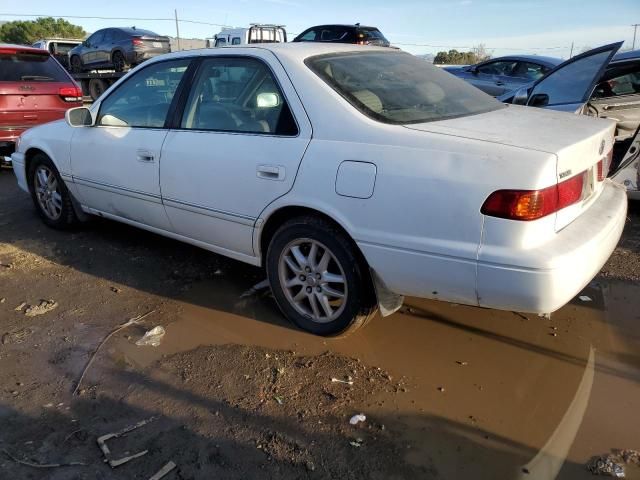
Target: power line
x,y
139,19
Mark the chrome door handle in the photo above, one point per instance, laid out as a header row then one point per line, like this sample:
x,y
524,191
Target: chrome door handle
x,y
270,172
145,156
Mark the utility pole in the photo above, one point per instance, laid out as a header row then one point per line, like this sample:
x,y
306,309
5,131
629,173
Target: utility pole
x,y
635,28
571,54
177,29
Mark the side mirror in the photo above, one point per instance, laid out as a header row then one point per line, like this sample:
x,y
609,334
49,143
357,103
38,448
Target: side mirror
x,y
268,100
472,69
539,100
79,117
521,96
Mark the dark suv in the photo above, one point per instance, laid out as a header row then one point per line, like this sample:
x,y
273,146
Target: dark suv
x,y
117,49
357,34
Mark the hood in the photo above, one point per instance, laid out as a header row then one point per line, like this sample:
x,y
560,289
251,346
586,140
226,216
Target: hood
x,y
525,127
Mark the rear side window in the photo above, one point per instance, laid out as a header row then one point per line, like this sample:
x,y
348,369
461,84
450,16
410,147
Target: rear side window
x,y
337,34
309,36
108,36
29,67
372,34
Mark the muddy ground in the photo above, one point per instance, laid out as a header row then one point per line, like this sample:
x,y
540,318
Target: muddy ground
x,y
234,391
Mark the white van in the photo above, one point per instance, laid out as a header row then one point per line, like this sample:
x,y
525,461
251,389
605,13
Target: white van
x,y
256,33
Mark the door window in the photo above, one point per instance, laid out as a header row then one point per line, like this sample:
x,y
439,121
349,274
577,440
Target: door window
x,y
504,68
530,71
108,36
310,36
237,95
627,84
221,42
235,41
96,38
569,84
144,99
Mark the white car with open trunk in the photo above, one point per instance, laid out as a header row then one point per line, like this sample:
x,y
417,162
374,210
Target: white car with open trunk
x,y
355,175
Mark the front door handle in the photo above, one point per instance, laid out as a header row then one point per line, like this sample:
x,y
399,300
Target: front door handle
x,y
270,172
145,156
499,83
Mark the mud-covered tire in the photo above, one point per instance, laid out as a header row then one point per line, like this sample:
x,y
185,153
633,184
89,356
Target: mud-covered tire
x,y
358,304
67,217
119,62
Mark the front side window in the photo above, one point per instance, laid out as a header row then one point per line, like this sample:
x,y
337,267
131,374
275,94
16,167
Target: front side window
x,y
399,88
144,99
96,39
108,36
310,36
237,95
221,42
235,41
497,68
529,70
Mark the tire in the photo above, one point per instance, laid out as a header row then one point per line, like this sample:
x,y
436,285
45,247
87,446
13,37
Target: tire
x,y
318,278
76,64
51,197
97,87
119,62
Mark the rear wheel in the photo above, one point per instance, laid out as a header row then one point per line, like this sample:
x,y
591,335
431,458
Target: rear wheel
x,y
49,193
317,279
97,86
119,62
76,64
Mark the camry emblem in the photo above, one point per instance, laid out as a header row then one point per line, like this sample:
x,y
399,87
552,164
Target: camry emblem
x,y
602,144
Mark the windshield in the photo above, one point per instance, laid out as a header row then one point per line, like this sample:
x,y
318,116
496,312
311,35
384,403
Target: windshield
x,y
399,88
29,67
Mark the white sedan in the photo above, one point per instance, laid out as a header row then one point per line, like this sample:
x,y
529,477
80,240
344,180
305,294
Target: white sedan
x,y
355,175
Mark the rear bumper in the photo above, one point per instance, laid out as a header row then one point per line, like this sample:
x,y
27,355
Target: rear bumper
x,y
571,259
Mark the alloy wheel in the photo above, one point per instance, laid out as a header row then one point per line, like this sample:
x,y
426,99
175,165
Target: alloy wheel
x,y
313,280
48,192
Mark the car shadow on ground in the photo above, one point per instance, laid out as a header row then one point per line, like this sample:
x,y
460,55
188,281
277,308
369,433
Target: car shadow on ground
x,y
207,438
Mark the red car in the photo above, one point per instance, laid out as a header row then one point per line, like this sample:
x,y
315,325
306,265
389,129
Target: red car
x,y
34,89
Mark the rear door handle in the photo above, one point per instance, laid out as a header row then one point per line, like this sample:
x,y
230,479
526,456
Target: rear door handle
x,y
145,156
499,83
270,172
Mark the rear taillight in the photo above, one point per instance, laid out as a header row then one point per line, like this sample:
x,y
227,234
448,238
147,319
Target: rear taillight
x,y
529,205
136,41
604,165
70,94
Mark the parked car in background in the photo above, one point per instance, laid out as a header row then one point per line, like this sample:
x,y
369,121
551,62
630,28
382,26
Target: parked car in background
x,y
256,33
59,48
357,34
117,49
503,74
34,89
502,207
597,83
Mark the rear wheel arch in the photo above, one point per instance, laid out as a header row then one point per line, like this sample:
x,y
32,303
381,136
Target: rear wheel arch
x,y
277,218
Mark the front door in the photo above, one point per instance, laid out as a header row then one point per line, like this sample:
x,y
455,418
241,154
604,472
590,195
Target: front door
x,y
240,140
116,164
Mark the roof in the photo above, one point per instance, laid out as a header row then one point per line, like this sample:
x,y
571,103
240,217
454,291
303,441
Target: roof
x,y
24,48
296,51
352,25
632,55
136,31
550,61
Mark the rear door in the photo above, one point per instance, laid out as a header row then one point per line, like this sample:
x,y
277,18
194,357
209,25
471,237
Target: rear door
x,y
235,149
30,84
493,77
569,86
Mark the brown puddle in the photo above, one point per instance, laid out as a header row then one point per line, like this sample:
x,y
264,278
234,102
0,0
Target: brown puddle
x,y
488,394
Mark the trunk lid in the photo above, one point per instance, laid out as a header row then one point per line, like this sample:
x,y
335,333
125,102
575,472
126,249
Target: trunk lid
x,y
578,142
155,43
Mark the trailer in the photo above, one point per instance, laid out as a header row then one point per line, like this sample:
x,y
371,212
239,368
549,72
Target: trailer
x,y
95,83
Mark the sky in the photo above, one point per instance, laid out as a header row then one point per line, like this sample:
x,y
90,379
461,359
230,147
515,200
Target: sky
x,y
543,27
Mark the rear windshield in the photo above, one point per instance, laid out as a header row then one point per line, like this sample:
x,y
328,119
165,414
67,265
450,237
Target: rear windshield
x,y
60,48
29,67
399,88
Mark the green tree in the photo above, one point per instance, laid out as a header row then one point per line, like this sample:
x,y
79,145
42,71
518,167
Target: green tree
x,y
25,32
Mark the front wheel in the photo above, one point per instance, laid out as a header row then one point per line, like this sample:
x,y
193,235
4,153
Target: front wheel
x,y
317,279
119,62
49,193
